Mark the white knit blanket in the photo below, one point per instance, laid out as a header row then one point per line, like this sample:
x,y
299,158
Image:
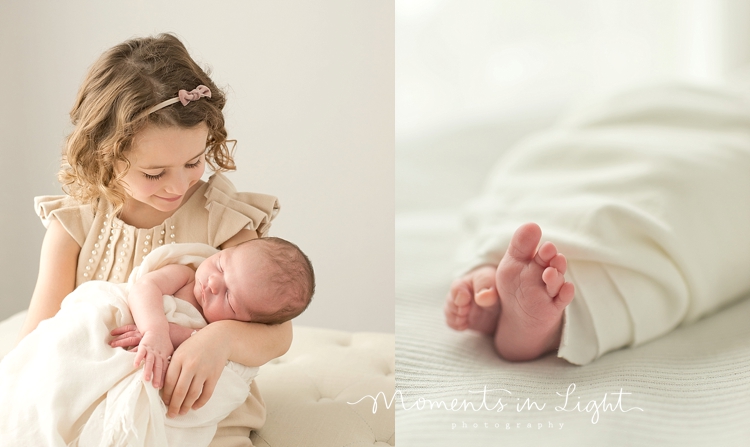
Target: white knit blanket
x,y
63,385
647,196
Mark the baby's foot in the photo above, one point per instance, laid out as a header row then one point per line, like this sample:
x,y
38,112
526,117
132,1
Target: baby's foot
x,y
533,295
472,302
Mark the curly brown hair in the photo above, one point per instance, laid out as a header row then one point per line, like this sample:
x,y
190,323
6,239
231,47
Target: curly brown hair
x,y
123,83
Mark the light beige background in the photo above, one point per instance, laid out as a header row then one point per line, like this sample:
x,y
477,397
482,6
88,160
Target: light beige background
x,y
310,98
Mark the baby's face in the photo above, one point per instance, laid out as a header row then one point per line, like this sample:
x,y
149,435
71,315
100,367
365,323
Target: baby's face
x,y
234,284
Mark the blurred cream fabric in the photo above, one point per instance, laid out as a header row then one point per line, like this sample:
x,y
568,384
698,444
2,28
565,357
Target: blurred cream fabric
x,y
308,389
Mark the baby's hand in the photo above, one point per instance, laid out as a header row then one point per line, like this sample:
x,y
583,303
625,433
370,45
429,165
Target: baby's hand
x,y
127,337
155,351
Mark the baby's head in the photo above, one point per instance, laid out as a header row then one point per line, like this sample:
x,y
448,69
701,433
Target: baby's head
x,y
266,280
110,110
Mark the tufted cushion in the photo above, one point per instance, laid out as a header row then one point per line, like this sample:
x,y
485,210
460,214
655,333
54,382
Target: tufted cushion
x,y
307,391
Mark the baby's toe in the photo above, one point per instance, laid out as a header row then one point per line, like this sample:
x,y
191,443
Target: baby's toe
x,y
454,320
486,297
553,279
460,294
545,254
560,263
566,294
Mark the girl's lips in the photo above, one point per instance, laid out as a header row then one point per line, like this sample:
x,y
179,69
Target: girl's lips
x,y
173,199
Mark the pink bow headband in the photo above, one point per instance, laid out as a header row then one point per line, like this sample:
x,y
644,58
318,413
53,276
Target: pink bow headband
x,y
184,97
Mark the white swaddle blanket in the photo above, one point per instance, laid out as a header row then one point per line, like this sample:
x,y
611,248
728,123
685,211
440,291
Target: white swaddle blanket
x,y
648,196
63,385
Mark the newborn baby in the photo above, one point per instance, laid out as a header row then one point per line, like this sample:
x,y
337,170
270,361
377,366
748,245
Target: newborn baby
x,y
265,280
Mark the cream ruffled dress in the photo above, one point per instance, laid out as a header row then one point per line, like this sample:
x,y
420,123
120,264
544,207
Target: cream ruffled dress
x,y
110,248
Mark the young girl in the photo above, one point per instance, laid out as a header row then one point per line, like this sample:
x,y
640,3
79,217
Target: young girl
x,y
147,120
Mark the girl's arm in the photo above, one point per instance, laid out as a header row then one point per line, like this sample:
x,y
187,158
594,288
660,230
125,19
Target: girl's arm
x,y
57,276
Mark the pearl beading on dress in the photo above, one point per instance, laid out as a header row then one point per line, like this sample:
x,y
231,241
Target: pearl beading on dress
x,y
113,229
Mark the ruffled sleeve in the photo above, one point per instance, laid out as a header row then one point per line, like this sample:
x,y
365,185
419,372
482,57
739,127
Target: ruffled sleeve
x,y
230,211
74,217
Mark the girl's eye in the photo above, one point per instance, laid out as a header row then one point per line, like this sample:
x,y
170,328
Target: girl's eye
x,y
154,177
193,165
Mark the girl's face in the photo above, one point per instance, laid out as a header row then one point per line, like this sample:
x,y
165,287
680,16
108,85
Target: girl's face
x,y
164,163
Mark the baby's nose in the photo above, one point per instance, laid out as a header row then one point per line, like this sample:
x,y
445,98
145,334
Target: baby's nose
x,y
213,284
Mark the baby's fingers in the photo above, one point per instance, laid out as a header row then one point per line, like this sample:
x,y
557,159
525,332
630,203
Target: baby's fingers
x,y
123,329
159,370
139,356
148,368
126,340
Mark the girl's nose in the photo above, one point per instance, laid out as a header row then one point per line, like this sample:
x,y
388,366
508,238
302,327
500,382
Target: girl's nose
x,y
179,184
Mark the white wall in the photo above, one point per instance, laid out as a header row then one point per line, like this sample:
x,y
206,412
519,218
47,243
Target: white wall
x,y
460,62
475,76
311,100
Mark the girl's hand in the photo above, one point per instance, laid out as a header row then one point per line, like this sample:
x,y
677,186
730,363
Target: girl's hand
x,y
194,371
154,350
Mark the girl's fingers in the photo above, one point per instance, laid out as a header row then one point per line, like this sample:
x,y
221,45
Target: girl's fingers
x,y
208,390
196,387
170,381
179,394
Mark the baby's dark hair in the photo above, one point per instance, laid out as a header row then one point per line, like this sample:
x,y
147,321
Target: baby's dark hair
x,y
293,276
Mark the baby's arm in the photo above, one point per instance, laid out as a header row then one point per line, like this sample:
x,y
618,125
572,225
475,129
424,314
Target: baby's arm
x,y
145,301
57,276
129,337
